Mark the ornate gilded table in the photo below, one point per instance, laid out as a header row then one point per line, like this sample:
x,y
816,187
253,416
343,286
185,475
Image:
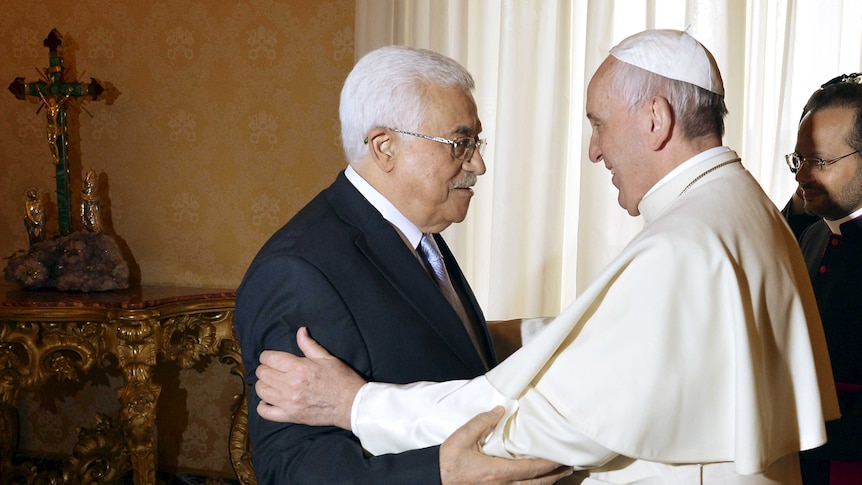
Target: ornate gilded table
x,y
47,335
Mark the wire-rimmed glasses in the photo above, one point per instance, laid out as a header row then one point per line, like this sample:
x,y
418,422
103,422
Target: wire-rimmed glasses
x,y
795,161
462,148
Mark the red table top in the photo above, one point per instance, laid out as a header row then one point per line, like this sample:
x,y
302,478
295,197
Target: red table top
x,y
130,299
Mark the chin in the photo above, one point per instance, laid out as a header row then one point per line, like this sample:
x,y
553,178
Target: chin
x,y
815,209
633,211
458,211
457,219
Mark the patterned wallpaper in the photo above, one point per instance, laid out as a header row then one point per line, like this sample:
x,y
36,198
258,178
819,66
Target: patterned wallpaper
x,y
225,125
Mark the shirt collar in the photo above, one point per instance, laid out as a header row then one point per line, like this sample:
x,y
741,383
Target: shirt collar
x,y
835,226
386,209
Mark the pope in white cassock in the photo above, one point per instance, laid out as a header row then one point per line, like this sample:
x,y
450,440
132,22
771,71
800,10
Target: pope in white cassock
x,y
697,355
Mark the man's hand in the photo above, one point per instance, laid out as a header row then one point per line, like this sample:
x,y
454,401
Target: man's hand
x,y
462,460
317,390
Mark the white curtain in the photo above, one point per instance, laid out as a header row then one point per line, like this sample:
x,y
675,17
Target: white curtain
x,y
544,220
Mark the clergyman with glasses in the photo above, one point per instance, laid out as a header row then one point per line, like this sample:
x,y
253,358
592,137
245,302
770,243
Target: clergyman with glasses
x,y
828,166
359,266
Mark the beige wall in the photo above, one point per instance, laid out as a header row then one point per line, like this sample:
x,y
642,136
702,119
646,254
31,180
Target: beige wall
x,y
225,126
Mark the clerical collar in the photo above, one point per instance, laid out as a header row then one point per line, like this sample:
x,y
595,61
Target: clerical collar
x,y
677,183
699,158
835,226
386,209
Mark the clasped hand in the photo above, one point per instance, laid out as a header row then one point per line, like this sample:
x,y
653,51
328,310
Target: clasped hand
x,y
319,391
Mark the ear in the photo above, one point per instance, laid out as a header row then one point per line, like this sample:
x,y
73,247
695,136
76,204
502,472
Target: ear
x,y
661,122
382,148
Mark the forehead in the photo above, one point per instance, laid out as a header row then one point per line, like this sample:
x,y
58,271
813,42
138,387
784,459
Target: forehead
x,y
452,110
598,89
829,125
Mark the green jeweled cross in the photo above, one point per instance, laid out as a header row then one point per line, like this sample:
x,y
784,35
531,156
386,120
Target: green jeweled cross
x,y
54,91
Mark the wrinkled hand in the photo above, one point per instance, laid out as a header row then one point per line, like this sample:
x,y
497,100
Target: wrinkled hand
x,y
462,460
317,390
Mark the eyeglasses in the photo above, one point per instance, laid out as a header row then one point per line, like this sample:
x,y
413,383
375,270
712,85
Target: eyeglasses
x,y
462,148
795,161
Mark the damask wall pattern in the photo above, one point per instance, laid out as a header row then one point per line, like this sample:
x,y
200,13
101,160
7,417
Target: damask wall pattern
x,y
225,125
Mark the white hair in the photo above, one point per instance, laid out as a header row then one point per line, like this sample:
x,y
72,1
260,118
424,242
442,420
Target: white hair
x,y
386,89
698,111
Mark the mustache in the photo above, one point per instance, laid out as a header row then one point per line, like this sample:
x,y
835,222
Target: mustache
x,y
469,181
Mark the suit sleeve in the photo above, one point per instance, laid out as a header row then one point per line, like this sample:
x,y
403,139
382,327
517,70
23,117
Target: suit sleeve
x,y
278,296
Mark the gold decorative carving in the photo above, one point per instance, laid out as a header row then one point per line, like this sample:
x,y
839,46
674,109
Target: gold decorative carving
x,y
239,446
100,456
42,341
136,352
32,353
190,337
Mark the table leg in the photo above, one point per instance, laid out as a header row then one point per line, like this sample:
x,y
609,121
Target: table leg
x,y
138,397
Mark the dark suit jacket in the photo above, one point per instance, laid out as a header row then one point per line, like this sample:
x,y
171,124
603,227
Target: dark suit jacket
x,y
797,222
343,271
835,266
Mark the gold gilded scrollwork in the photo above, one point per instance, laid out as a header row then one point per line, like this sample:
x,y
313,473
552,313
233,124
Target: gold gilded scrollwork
x,y
136,352
65,344
239,446
32,353
100,456
190,337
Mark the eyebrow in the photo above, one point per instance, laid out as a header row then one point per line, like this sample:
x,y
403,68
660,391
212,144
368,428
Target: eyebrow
x,y
465,130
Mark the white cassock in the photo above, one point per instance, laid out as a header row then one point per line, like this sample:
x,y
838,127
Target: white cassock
x,y
697,355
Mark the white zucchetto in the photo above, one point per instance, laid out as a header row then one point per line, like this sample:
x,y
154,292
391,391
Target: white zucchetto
x,y
672,54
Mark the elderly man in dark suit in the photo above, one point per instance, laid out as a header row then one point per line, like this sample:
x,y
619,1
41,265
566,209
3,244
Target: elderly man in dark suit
x,y
358,267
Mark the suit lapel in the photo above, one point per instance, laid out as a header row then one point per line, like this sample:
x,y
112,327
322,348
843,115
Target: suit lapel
x,y
384,248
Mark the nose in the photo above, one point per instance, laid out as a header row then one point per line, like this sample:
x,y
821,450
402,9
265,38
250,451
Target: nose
x,y
475,163
595,152
803,173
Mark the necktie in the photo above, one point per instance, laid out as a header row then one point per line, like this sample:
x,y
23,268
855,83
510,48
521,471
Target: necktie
x,y
429,249
430,252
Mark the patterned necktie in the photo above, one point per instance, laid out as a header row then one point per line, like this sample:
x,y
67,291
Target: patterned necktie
x,y
429,249
434,261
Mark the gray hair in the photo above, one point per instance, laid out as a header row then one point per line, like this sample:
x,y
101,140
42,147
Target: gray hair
x,y
699,112
386,88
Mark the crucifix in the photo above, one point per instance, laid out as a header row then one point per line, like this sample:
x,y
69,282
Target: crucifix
x,y
53,91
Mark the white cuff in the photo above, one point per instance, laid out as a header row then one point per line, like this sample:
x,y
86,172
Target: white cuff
x,y
391,418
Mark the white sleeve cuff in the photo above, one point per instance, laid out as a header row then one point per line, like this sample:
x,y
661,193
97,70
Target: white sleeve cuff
x,y
390,418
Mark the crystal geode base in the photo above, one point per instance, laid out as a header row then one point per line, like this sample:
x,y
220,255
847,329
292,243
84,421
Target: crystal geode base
x,y
80,261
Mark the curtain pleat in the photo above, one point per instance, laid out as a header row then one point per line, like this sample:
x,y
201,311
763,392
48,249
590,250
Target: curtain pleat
x,y
544,219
